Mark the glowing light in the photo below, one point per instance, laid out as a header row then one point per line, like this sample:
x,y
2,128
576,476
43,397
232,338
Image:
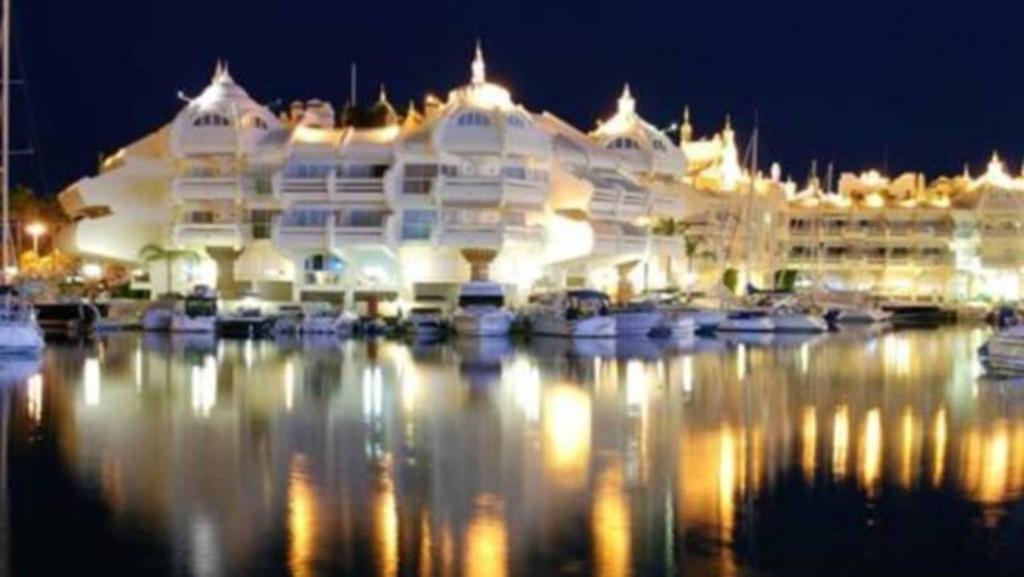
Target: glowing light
x,y
92,271
840,441
687,374
809,441
385,527
907,449
636,384
805,358
35,398
486,549
204,387
939,441
523,379
373,393
610,524
566,433
91,382
302,519
289,385
995,468
741,361
727,482
897,354
138,368
871,466
874,200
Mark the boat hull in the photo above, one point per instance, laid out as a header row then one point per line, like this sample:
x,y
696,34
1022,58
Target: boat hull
x,y
636,323
21,339
186,324
799,323
675,326
759,324
592,327
496,323
157,319
862,316
326,326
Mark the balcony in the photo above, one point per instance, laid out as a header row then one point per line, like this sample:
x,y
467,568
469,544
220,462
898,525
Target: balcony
x,y
667,245
488,236
192,188
301,237
490,191
666,205
225,234
348,233
329,188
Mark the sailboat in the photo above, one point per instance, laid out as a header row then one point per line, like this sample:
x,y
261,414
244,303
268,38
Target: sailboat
x,y
19,331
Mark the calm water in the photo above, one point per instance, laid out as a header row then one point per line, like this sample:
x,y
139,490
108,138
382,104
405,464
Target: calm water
x,y
850,454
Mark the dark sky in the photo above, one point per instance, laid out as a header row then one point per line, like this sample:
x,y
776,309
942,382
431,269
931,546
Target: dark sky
x,y
921,88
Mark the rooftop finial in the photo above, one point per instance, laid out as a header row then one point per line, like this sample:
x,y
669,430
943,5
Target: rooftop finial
x,y
220,71
627,104
478,67
728,121
686,130
382,97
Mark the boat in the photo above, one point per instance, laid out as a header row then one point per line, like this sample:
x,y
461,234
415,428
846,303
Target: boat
x,y
747,321
327,322
789,318
636,320
577,313
1003,354
426,322
246,322
481,311
199,314
676,321
862,315
288,320
158,314
118,315
70,318
19,332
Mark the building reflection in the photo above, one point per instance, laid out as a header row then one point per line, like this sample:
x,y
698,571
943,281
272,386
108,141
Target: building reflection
x,y
385,460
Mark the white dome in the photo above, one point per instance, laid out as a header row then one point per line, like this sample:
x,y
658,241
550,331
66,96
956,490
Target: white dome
x,y
221,120
641,146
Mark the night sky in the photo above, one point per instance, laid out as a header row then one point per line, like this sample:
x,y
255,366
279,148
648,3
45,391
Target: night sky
x,y
865,87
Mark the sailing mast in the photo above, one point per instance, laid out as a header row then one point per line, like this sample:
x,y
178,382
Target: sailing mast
x,y
5,137
750,207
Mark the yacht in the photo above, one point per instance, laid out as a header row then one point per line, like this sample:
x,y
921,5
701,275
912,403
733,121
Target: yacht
x,y
677,320
1003,354
199,314
866,314
19,332
327,322
481,311
158,315
747,321
637,320
787,317
426,322
572,313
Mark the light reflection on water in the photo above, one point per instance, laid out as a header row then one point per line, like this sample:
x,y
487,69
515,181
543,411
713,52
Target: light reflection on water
x,y
492,458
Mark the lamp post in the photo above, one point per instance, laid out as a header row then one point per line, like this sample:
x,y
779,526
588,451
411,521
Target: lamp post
x,y
35,230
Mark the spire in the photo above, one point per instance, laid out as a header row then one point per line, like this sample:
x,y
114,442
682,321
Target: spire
x,y
967,172
727,134
686,130
220,72
627,104
382,97
478,67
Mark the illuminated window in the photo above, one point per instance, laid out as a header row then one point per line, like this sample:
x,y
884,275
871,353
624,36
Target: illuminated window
x,y
658,145
418,224
473,119
211,119
324,262
253,121
516,121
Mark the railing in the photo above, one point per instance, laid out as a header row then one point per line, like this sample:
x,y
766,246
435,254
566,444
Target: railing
x,y
489,190
194,187
209,233
329,188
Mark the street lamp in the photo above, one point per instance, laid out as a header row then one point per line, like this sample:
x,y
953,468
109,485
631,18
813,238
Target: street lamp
x,y
35,230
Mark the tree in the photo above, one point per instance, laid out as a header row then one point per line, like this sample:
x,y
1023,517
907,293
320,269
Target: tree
x,y
692,241
154,253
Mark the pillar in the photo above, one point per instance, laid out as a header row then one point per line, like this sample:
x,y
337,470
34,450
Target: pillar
x,y
625,288
479,263
225,258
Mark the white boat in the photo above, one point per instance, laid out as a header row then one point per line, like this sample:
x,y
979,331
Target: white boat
x,y
571,313
788,320
636,321
327,322
675,325
158,315
1003,354
288,320
19,332
481,311
426,322
199,314
867,314
747,321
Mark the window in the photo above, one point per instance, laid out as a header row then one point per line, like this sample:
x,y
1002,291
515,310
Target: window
x,y
253,121
418,224
308,217
362,171
365,218
473,119
211,119
622,143
517,172
307,170
261,223
516,121
658,145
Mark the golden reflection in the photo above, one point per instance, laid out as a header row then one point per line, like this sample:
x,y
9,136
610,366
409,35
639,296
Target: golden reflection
x,y
741,361
727,481
840,441
385,526
373,392
995,470
939,440
289,385
687,374
897,354
91,382
426,552
486,548
35,398
907,449
636,384
610,524
523,380
302,519
566,431
871,443
809,442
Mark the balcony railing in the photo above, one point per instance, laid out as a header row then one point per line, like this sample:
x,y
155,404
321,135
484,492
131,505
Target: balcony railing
x,y
329,188
192,187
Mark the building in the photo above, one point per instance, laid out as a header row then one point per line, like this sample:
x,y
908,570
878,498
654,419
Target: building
x,y
373,204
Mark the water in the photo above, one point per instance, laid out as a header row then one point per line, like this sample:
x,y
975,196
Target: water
x,y
850,454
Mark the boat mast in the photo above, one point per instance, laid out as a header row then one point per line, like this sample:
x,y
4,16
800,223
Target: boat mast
x,y
5,136
750,207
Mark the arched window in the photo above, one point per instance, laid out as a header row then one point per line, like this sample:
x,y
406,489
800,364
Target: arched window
x,y
658,145
622,143
516,121
211,119
473,119
253,121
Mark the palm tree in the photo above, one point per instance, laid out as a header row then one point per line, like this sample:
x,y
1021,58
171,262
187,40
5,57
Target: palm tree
x,y
154,252
692,242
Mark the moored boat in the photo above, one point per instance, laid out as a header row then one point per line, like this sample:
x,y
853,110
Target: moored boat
x,y
481,311
572,313
199,314
19,332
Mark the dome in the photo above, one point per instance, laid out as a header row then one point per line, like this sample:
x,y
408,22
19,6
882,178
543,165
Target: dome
x,y
641,146
222,119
